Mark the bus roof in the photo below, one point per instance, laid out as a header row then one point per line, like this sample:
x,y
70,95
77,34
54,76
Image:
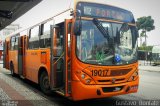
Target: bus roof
x,y
31,26
72,7
96,1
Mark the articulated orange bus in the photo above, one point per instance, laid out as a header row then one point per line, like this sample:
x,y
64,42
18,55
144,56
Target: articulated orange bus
x,y
88,51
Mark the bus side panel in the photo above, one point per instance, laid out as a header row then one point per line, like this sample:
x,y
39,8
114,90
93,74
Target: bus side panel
x,y
20,55
32,64
6,55
45,60
14,59
42,60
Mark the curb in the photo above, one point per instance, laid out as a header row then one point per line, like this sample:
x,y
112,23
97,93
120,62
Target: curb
x,y
148,70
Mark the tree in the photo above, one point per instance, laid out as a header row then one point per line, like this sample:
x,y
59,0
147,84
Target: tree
x,y
141,36
147,48
145,24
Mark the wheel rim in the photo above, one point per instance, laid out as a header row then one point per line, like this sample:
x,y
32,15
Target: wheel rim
x,y
11,69
46,82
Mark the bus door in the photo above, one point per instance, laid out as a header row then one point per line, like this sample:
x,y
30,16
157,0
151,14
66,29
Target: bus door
x,y
57,58
6,55
21,55
60,72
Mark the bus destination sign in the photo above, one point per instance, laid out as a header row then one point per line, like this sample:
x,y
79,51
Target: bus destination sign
x,y
105,11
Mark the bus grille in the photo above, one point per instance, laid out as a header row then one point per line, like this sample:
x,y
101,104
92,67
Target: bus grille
x,y
114,73
112,89
110,81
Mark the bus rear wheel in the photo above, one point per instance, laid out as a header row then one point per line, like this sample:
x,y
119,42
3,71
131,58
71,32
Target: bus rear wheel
x,y
44,83
12,69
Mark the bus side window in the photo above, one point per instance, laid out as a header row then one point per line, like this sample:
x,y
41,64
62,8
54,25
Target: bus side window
x,y
34,38
45,38
12,43
59,41
69,39
16,43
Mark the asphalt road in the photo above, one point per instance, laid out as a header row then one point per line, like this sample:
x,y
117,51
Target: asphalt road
x,y
149,89
149,85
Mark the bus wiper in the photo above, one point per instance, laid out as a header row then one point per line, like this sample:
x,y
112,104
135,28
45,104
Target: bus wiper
x,y
117,38
104,32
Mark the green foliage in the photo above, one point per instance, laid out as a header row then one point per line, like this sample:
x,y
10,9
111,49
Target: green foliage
x,y
145,23
145,48
143,34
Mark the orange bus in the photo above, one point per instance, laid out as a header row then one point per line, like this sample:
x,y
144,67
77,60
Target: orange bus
x,y
88,51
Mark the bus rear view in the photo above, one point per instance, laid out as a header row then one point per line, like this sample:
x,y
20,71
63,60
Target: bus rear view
x,y
105,61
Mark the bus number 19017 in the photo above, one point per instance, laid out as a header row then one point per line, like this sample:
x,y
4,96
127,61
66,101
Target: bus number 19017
x,y
101,73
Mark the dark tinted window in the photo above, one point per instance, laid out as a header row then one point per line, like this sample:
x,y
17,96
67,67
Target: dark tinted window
x,y
14,42
34,38
45,38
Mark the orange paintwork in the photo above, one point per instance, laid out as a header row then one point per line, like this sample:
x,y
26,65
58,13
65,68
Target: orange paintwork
x,y
82,91
33,60
13,57
7,43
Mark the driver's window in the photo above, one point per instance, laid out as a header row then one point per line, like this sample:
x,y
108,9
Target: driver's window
x,y
126,39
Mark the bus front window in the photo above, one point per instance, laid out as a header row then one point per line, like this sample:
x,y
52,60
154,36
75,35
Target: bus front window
x,y
93,47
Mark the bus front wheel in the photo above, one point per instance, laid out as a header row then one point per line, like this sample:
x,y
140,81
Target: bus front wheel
x,y
44,83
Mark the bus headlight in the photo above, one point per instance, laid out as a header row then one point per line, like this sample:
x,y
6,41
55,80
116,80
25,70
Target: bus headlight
x,y
85,78
134,76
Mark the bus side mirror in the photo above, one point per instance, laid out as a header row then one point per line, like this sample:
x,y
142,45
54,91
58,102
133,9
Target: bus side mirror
x,y
77,28
78,24
137,33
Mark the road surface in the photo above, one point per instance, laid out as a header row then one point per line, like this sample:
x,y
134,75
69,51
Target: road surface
x,y
149,89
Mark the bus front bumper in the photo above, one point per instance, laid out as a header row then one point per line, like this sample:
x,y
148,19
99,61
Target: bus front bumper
x,y
81,91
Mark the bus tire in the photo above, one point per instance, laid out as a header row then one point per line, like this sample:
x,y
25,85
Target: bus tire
x,y
44,83
12,69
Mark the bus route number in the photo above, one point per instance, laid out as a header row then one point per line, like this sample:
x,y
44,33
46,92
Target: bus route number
x,y
101,73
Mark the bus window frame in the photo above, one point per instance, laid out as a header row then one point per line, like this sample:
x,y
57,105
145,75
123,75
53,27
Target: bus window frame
x,y
43,35
30,37
12,47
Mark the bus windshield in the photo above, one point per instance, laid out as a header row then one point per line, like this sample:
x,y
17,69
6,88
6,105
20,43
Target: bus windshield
x,y
93,47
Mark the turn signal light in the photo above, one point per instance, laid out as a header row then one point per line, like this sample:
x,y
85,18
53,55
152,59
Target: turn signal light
x,y
134,76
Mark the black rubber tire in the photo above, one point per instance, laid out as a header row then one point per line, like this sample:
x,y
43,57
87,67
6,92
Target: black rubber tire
x,y
44,83
12,69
